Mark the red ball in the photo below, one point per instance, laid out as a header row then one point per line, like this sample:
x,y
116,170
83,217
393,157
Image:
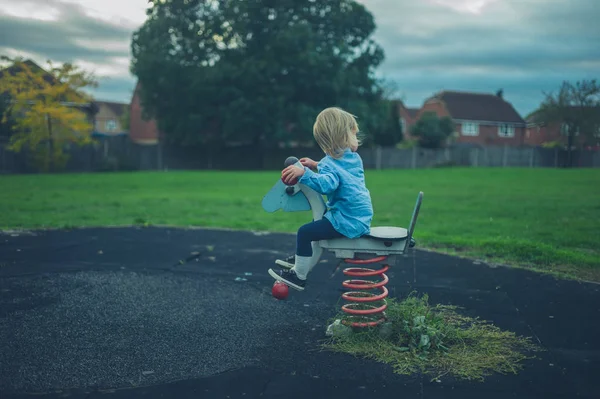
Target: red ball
x,y
280,290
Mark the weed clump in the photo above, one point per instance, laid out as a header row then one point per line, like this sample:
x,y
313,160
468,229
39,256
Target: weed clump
x,y
436,340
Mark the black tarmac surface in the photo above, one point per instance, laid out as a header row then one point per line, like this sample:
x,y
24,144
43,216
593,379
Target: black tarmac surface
x,y
176,313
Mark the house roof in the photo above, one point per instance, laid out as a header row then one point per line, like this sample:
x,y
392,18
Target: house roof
x,y
413,112
117,108
536,118
35,68
533,117
478,107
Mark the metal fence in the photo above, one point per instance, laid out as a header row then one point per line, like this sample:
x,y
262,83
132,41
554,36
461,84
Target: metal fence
x,y
489,156
120,153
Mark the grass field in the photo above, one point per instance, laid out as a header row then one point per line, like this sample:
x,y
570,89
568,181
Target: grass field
x,y
544,219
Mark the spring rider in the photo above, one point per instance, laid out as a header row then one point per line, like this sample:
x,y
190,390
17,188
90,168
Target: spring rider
x,y
365,308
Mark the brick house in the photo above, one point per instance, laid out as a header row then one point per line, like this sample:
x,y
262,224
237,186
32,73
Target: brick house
x,y
107,120
408,117
539,133
141,131
480,118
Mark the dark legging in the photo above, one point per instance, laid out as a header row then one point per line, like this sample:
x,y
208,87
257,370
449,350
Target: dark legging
x,y
314,231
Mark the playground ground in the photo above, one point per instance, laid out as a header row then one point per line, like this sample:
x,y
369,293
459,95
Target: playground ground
x,y
155,312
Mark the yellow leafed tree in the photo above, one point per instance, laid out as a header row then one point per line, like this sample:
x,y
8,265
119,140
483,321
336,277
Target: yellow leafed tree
x,y
47,109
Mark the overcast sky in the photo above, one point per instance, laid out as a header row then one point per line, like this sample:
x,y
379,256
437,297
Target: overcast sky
x,y
522,46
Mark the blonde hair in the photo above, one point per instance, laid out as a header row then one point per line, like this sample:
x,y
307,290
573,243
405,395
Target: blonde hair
x,y
335,130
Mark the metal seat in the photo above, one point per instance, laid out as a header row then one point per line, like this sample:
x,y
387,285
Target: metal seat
x,y
383,240
387,233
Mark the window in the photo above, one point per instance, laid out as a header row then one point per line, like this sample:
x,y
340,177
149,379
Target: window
x,y
506,131
470,129
565,129
403,125
111,125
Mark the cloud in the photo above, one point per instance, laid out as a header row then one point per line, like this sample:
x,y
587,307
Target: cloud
x,y
73,35
523,46
30,10
468,6
126,13
66,32
118,89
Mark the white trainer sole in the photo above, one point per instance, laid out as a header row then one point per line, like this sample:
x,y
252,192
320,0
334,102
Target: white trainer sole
x,y
283,263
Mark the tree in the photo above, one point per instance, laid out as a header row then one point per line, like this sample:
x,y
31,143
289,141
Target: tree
x,y
431,130
576,108
7,123
45,109
388,131
257,71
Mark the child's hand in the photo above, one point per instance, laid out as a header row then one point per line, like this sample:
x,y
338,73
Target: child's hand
x,y
291,174
309,163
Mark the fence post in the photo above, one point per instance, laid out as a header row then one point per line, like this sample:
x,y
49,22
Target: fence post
x,y
556,157
476,157
159,155
531,156
378,157
504,156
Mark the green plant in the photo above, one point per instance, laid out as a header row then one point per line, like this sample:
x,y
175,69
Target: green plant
x,y
436,340
553,144
52,109
419,329
142,222
432,131
407,144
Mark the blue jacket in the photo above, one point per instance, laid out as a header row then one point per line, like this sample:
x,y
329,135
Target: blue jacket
x,y
349,202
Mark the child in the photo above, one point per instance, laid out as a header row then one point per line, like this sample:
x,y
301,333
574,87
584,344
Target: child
x,y
341,177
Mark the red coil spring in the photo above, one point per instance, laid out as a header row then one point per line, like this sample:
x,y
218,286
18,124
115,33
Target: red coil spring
x,y
372,315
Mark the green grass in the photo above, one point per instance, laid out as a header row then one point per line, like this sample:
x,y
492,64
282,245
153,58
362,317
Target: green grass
x,y
435,340
545,219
